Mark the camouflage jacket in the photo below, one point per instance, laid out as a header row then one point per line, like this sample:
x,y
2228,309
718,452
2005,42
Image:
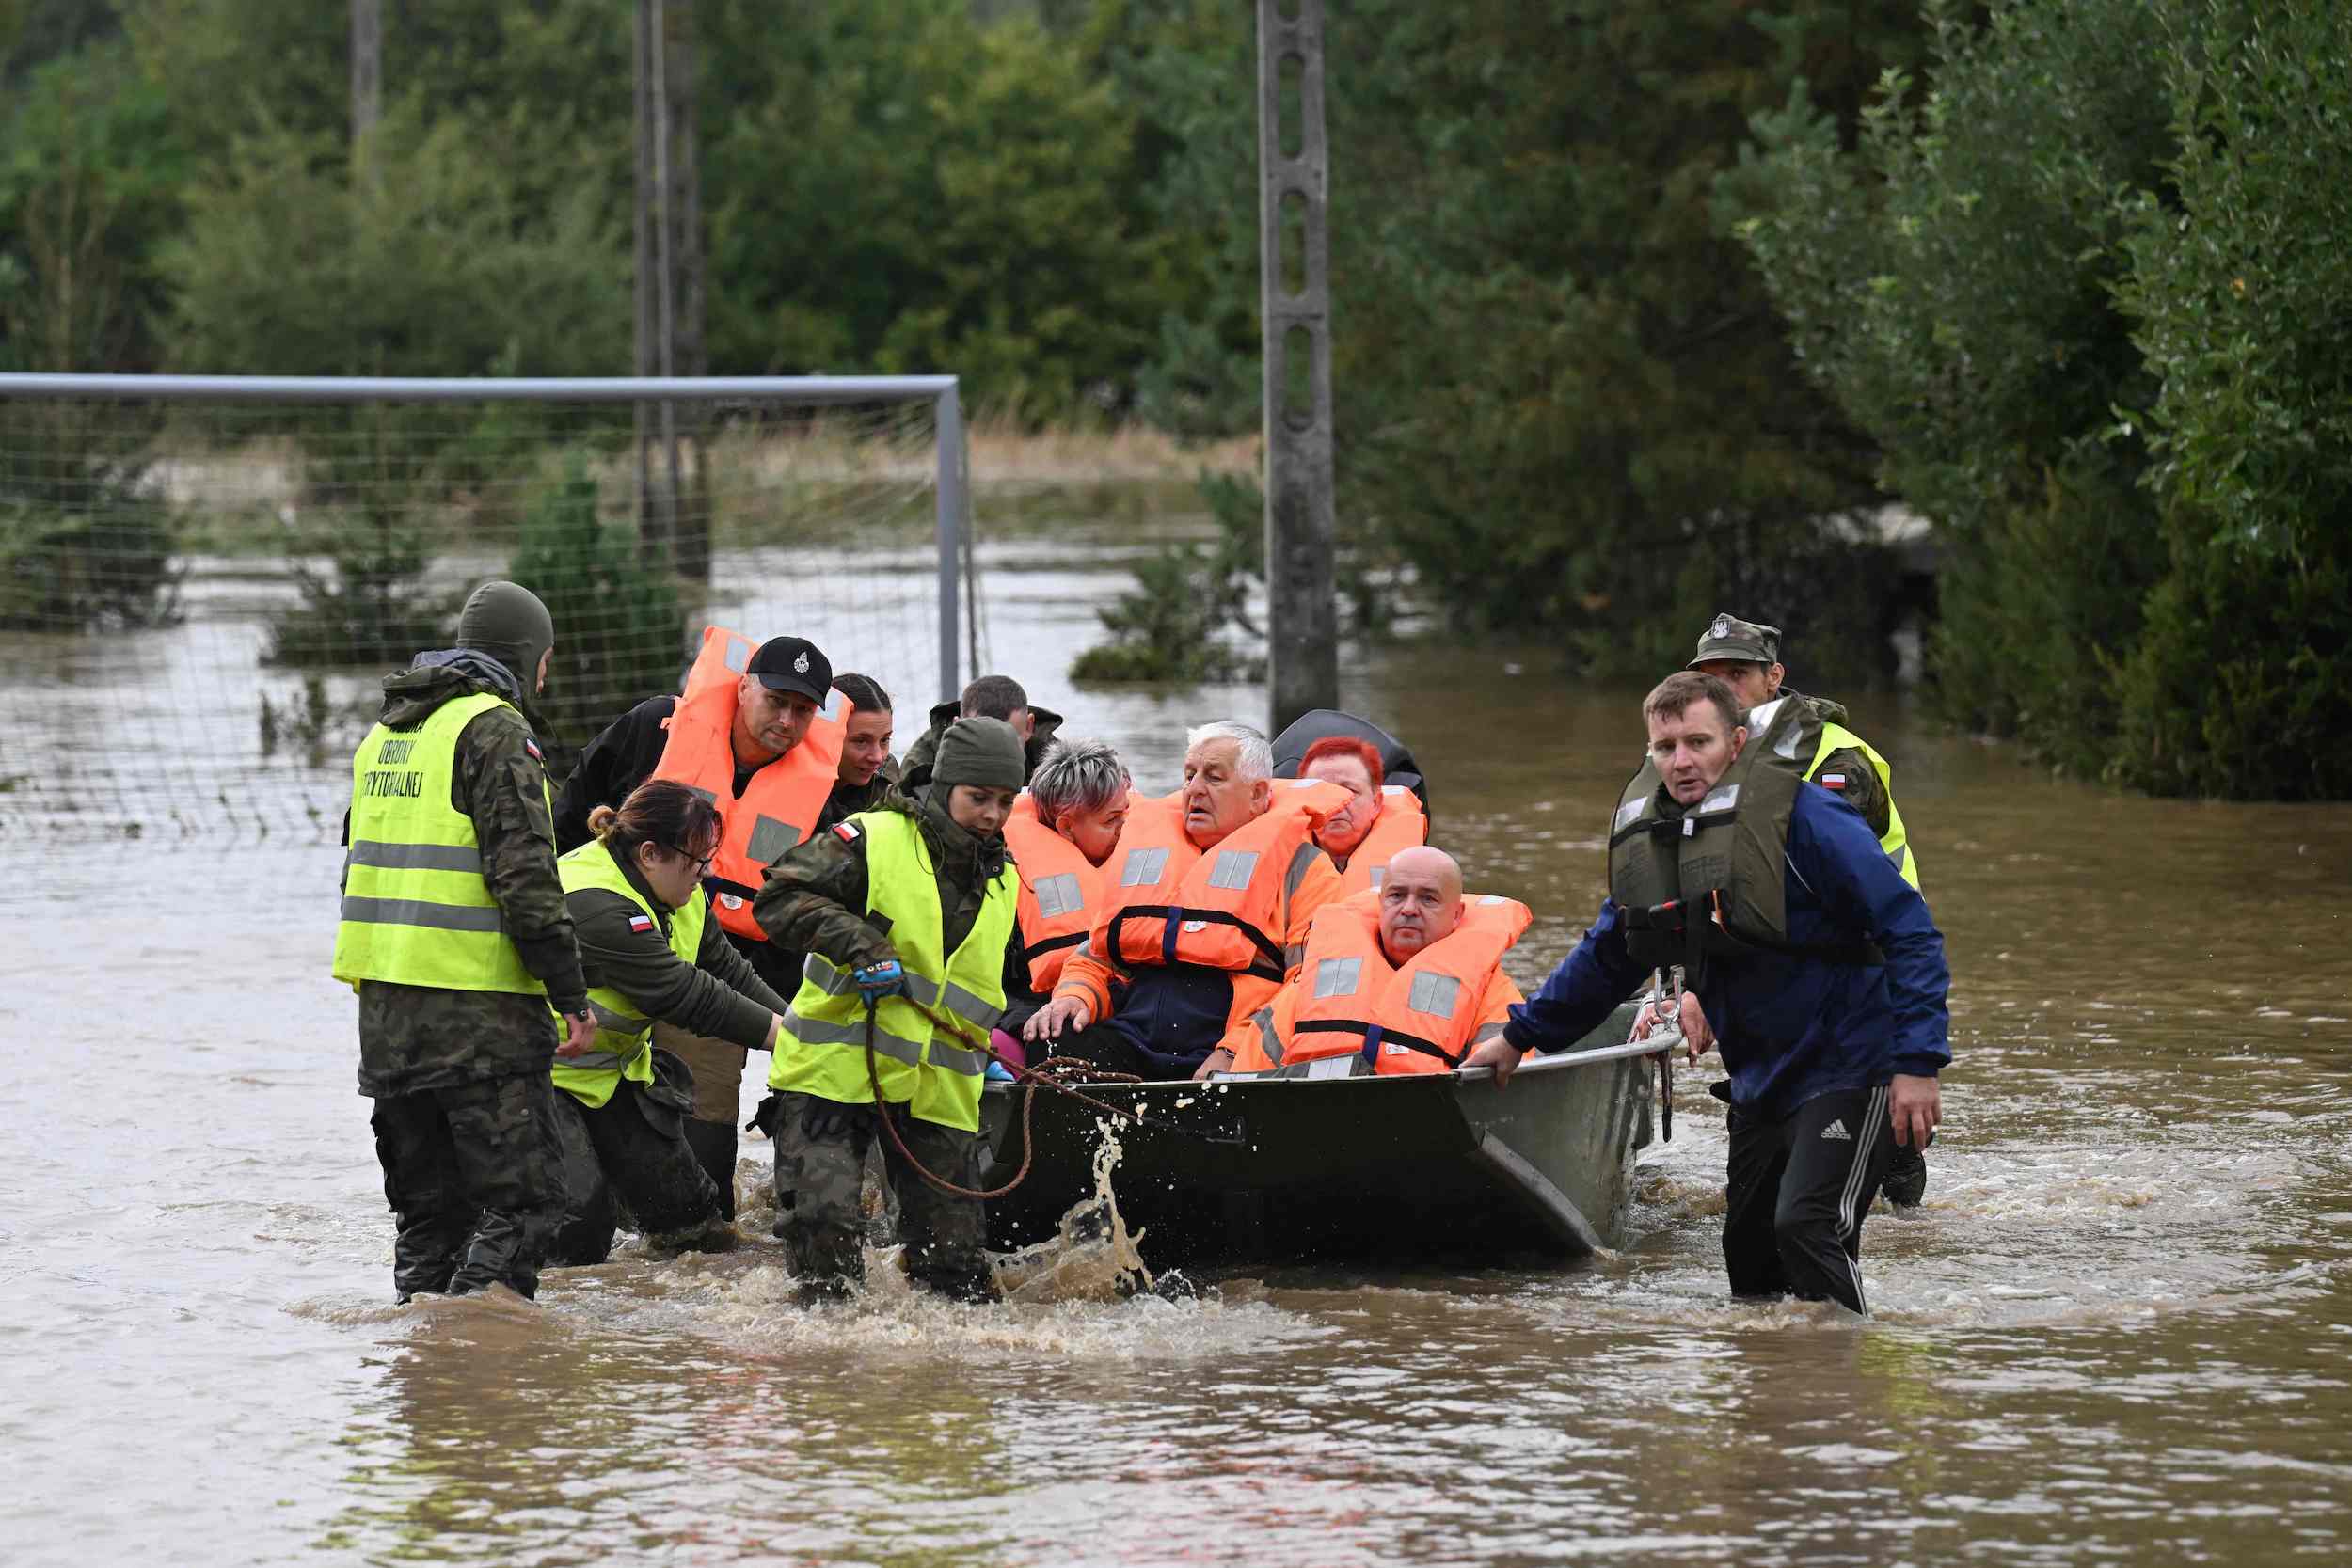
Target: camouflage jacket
x,y
916,771
716,995
419,1037
814,900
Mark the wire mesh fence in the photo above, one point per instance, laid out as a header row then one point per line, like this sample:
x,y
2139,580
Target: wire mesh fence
x,y
203,581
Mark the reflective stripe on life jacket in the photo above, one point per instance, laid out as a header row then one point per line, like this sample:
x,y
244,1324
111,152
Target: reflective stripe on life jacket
x,y
781,800
1421,1017
1222,908
1399,827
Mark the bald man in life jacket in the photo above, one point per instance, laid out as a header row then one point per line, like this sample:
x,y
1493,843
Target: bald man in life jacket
x,y
1212,890
1403,979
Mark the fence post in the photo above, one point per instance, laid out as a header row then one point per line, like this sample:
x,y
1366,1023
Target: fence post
x,y
949,433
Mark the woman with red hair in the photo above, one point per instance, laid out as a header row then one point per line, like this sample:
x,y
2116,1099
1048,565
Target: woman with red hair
x,y
1381,820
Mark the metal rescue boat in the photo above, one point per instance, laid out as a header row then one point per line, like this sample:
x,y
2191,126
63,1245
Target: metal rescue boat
x,y
1438,1169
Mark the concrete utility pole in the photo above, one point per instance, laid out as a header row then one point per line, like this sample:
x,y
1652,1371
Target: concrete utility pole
x,y
1295,181
366,67
672,512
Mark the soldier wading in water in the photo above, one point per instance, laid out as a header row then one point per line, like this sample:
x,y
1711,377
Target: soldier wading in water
x,y
455,935
905,904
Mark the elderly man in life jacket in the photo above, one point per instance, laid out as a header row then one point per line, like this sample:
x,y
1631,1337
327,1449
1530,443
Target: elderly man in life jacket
x,y
1405,978
1206,917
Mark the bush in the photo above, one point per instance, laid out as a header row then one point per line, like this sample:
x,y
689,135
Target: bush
x,y
372,605
1950,281
1173,626
619,627
2237,294
102,566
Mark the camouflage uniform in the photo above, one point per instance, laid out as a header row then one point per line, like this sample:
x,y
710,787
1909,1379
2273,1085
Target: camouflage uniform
x,y
815,900
465,1114
914,772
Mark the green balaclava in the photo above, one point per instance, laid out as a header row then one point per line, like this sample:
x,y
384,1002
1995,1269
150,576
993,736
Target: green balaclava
x,y
506,621
982,752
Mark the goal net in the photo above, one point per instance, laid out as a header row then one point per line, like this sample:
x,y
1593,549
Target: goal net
x,y
203,581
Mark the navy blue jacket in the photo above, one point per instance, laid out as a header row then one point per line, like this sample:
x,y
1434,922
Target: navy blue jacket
x,y
1789,1028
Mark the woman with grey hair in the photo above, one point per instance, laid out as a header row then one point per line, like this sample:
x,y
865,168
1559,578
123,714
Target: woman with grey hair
x,y
1060,833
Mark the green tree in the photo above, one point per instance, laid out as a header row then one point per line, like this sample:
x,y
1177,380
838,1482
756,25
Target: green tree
x,y
619,626
288,266
2237,295
1950,281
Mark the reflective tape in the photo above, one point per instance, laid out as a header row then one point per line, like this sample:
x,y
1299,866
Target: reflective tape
x,y
418,911
1336,976
1058,894
415,857
1434,994
1233,869
619,1023
1303,856
1143,867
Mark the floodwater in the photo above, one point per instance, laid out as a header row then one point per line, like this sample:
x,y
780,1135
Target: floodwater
x,y
2118,1330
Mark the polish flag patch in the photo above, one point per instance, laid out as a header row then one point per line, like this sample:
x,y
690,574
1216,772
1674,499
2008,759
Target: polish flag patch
x,y
641,922
533,747
1832,781
846,830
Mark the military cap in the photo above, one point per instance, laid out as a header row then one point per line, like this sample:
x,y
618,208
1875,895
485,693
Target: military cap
x,y
1729,637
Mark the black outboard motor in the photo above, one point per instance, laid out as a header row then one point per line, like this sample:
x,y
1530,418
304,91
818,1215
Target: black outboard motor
x,y
1314,724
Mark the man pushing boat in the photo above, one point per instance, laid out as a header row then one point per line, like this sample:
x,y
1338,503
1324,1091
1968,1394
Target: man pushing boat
x,y
1817,964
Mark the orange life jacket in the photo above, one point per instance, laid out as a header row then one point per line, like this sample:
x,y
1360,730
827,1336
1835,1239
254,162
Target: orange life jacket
x,y
1061,892
780,801
1399,827
1171,903
1350,1000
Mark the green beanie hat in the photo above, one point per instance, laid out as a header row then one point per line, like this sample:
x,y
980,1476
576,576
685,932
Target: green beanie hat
x,y
982,752
506,621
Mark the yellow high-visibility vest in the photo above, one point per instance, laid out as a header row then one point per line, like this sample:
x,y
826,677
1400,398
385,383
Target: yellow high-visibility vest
x,y
623,1047
416,908
820,1049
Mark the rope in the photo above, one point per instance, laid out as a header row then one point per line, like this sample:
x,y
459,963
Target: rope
x,y
1031,1078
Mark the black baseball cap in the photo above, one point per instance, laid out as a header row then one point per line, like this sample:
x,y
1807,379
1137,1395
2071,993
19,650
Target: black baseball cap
x,y
793,664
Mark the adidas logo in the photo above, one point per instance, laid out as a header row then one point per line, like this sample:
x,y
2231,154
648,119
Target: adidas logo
x,y
1837,1129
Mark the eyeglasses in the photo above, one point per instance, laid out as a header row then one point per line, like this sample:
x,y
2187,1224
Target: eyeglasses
x,y
702,862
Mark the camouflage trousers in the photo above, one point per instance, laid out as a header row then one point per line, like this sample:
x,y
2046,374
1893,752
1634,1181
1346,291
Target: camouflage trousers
x,y
473,1175
626,1163
822,1148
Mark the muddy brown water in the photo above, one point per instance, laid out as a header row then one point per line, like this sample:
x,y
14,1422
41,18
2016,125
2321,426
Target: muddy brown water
x,y
2118,1330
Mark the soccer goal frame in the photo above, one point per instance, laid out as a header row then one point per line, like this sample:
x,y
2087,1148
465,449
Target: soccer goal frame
x,y
940,392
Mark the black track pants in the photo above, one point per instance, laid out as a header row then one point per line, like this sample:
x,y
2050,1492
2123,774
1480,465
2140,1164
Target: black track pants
x,y
1795,1194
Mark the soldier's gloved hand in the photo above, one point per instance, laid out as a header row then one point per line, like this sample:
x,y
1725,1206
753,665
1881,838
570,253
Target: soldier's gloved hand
x,y
878,980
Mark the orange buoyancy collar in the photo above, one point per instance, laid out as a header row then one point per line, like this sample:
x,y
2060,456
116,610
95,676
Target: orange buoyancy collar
x,y
1419,1017
1400,826
1221,908
780,802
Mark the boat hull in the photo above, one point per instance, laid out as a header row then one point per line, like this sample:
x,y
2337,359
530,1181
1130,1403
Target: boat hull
x,y
1430,1170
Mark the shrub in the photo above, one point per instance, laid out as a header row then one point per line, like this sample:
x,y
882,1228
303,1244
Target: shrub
x,y
619,626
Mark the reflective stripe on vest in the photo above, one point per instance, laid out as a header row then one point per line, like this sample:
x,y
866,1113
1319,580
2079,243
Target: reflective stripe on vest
x,y
1400,826
1420,1017
623,1047
821,1047
781,801
1223,908
416,909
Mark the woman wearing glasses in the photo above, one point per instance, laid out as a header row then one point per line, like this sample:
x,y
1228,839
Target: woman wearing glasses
x,y
651,952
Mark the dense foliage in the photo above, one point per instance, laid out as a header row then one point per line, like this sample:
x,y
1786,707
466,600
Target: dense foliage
x,y
1640,312
2058,233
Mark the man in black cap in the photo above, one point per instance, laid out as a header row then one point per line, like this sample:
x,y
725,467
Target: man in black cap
x,y
1745,655
775,702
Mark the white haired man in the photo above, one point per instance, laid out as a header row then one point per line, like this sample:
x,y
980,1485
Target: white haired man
x,y
1214,889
